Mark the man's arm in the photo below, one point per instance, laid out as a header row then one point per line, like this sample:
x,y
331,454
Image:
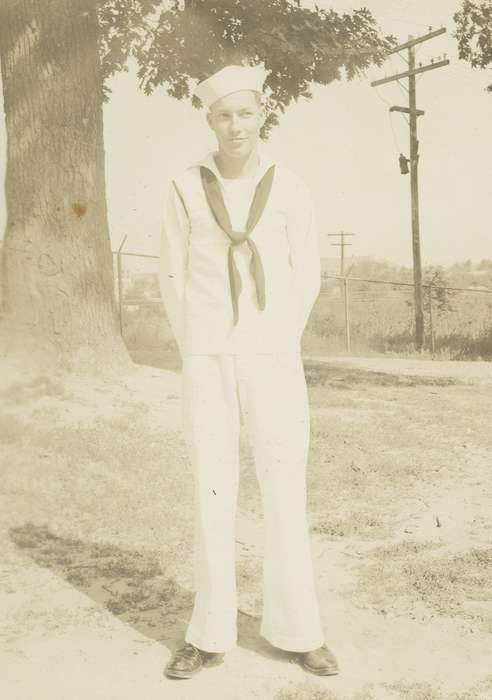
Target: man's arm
x,y
305,253
174,261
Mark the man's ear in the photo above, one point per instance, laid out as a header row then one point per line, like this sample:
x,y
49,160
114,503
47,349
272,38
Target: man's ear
x,y
209,119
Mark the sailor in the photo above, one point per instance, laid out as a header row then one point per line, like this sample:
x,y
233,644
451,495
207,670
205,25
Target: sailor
x,y
239,274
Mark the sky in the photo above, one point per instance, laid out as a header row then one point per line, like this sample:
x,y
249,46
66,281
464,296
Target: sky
x,y
344,143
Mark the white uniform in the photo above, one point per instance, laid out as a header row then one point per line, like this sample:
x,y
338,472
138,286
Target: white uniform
x,y
251,370
194,274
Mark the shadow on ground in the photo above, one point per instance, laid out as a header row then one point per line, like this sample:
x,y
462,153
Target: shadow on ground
x,y
156,357
334,376
130,585
337,376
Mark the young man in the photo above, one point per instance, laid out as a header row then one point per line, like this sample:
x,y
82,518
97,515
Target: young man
x,y
239,275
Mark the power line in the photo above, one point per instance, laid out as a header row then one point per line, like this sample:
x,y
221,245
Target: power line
x,y
405,90
386,102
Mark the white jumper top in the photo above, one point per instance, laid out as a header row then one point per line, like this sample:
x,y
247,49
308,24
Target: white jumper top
x,y
193,268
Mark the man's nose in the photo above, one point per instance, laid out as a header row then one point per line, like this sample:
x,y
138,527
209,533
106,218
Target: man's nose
x,y
234,124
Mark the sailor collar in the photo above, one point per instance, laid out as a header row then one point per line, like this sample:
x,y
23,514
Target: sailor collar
x,y
264,165
262,180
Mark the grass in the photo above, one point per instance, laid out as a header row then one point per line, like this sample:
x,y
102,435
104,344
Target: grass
x,y
107,505
351,491
118,442
397,691
402,577
359,468
306,691
328,376
383,325
37,387
130,584
377,439
424,691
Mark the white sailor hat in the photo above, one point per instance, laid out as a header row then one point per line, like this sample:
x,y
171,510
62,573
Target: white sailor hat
x,y
228,80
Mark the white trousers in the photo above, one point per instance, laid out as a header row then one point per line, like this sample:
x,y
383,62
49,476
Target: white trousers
x,y
269,393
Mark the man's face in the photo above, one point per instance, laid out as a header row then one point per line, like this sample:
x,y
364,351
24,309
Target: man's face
x,y
236,120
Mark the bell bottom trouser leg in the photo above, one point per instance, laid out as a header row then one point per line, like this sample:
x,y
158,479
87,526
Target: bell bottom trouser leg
x,y
211,423
270,392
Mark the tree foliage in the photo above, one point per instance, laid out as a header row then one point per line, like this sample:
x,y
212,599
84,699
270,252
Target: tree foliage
x,y
474,33
437,291
184,42
123,25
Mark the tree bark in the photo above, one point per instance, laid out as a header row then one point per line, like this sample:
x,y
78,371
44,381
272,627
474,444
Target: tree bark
x,y
58,302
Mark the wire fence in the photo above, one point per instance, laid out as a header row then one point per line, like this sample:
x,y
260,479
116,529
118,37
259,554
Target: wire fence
x,y
374,315
352,314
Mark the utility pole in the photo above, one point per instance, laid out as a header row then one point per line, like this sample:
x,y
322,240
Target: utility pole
x,y
345,282
414,185
342,246
413,113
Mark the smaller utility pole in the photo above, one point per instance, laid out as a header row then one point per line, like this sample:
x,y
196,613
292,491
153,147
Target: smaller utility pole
x,y
345,282
120,284
342,246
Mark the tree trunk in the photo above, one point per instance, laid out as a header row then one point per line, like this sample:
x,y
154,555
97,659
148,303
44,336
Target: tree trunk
x,y
58,302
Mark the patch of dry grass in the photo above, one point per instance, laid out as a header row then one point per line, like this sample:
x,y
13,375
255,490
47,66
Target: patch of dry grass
x,y
377,439
311,691
37,387
397,691
123,477
340,377
119,442
249,576
424,691
404,577
130,584
354,481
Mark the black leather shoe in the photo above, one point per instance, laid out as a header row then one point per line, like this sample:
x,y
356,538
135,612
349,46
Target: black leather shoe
x,y
320,661
188,660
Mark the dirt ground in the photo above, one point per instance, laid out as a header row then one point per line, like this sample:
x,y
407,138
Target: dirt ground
x,y
96,537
